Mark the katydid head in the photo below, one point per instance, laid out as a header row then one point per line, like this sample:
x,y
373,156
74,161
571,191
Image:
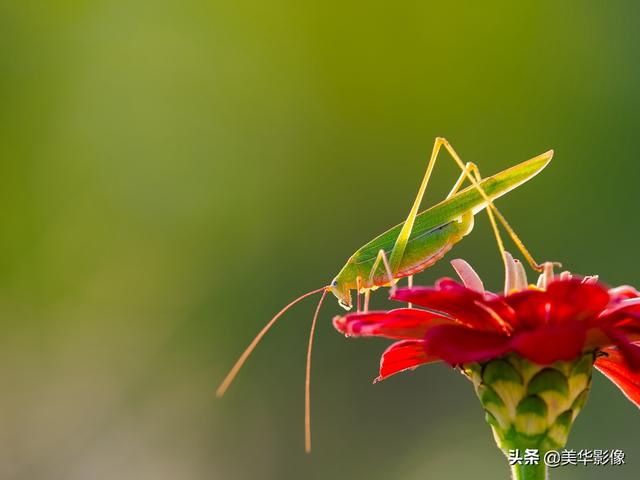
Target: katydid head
x,y
342,292
343,283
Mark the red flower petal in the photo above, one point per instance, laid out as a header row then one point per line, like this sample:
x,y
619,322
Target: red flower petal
x,y
614,367
466,306
501,308
402,356
574,300
620,311
630,327
623,292
530,307
562,301
551,343
629,351
456,344
400,323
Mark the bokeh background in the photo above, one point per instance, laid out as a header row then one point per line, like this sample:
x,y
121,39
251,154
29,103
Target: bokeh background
x,y
173,172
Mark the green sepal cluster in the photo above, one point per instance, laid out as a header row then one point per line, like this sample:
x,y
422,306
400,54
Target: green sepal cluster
x,y
529,405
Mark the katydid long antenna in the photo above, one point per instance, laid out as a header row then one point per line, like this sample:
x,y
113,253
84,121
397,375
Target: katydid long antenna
x,y
224,386
243,358
307,380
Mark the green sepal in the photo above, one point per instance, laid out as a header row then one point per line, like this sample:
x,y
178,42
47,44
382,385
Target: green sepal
x,y
529,405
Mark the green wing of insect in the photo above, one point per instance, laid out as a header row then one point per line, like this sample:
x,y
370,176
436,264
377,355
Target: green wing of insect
x,y
436,224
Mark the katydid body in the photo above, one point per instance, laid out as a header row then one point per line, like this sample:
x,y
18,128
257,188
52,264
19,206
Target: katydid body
x,y
414,245
434,232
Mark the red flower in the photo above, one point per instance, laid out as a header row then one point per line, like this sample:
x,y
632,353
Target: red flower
x,y
544,325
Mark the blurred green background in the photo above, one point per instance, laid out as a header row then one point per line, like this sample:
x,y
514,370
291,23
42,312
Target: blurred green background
x,y
173,172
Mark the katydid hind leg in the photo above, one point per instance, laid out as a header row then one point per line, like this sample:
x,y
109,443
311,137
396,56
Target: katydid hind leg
x,y
469,169
472,173
493,213
403,237
467,173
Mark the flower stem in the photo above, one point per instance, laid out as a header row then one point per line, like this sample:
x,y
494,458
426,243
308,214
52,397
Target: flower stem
x,y
529,472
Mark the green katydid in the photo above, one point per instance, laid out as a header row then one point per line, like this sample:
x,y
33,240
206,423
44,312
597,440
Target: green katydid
x,y
414,245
